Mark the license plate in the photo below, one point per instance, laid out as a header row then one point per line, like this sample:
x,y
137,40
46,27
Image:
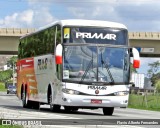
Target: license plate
x,y
93,101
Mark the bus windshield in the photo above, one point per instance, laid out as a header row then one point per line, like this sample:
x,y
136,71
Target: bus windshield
x,y
96,64
112,36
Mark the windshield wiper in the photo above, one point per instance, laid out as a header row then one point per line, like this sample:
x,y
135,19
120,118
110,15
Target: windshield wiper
x,y
87,69
107,68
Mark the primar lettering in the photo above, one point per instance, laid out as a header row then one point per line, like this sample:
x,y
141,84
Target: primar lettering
x,y
96,36
97,87
42,63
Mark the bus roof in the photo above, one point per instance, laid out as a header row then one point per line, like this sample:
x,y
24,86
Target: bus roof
x,y
80,22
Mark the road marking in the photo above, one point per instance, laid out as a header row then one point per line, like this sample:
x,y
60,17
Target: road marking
x,y
7,113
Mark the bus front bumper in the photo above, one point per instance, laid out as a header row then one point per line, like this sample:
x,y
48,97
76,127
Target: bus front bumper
x,y
94,101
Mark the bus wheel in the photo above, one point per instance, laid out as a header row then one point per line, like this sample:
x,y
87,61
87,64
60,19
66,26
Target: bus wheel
x,y
53,107
36,105
25,101
74,109
67,108
108,111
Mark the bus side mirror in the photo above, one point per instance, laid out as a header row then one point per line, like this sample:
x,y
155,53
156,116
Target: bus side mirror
x,y
136,58
59,54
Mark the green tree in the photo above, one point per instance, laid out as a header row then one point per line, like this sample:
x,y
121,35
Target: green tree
x,y
153,72
5,75
155,66
155,78
133,70
157,85
12,61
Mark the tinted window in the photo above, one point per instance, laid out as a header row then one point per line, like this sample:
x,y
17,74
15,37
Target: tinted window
x,y
95,35
38,44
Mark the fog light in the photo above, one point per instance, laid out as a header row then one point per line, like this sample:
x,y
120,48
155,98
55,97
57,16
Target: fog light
x,y
126,101
64,99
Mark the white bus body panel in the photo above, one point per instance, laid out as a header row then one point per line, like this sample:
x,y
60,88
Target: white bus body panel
x,y
45,72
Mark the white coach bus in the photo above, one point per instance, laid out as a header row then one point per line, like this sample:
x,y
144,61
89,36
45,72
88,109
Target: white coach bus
x,y
76,64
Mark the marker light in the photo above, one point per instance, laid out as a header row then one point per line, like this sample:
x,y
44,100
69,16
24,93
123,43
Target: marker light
x,y
59,54
136,59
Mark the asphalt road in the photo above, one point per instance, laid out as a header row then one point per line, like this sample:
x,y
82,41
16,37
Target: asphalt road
x,y
11,108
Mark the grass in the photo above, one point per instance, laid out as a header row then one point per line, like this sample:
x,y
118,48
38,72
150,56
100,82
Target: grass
x,y
145,102
2,87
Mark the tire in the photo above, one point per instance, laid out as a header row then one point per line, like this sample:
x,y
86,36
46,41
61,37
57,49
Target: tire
x,y
108,111
35,105
74,109
67,108
25,102
53,107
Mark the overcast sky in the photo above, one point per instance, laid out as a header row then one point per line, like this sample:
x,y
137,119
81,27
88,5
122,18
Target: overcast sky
x,y
137,15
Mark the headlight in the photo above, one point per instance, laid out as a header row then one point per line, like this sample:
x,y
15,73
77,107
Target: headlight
x,y
122,93
70,91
